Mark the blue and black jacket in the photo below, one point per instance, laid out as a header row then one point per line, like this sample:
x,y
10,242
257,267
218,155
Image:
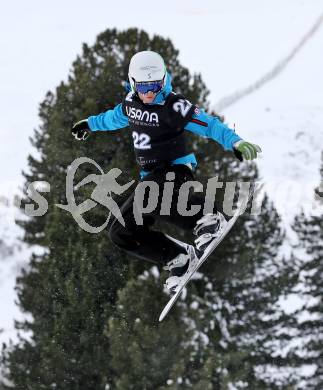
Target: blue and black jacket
x,y
158,129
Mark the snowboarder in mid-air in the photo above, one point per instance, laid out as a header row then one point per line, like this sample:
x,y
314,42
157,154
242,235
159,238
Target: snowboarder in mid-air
x,y
159,119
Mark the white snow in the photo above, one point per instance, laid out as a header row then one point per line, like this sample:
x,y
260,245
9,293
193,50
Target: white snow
x,y
10,266
285,117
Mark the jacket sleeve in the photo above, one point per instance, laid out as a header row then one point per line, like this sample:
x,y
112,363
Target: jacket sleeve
x,y
110,120
211,127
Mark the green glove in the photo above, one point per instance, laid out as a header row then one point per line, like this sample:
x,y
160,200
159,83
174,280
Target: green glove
x,y
247,150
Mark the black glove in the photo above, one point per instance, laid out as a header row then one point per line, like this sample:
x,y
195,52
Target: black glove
x,y
81,130
238,154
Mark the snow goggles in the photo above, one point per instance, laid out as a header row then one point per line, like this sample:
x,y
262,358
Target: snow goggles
x,y
146,86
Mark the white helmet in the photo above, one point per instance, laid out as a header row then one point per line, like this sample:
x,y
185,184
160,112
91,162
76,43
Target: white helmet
x,y
146,66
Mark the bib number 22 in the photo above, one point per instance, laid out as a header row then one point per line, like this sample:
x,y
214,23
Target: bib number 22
x,y
141,141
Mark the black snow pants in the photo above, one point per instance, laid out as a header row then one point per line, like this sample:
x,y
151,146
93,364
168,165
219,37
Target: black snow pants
x,y
142,241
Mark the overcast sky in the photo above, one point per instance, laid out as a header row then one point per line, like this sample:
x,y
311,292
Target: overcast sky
x,y
40,39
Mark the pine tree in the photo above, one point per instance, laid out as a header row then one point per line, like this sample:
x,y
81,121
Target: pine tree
x,y
310,233
71,289
145,353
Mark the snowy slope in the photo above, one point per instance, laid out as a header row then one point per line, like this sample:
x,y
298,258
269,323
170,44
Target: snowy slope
x,y
285,117
13,256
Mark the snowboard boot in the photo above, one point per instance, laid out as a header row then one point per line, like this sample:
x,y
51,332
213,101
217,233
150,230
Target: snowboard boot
x,y
209,228
178,267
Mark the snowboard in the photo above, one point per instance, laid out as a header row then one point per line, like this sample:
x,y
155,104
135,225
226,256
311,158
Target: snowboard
x,y
195,265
